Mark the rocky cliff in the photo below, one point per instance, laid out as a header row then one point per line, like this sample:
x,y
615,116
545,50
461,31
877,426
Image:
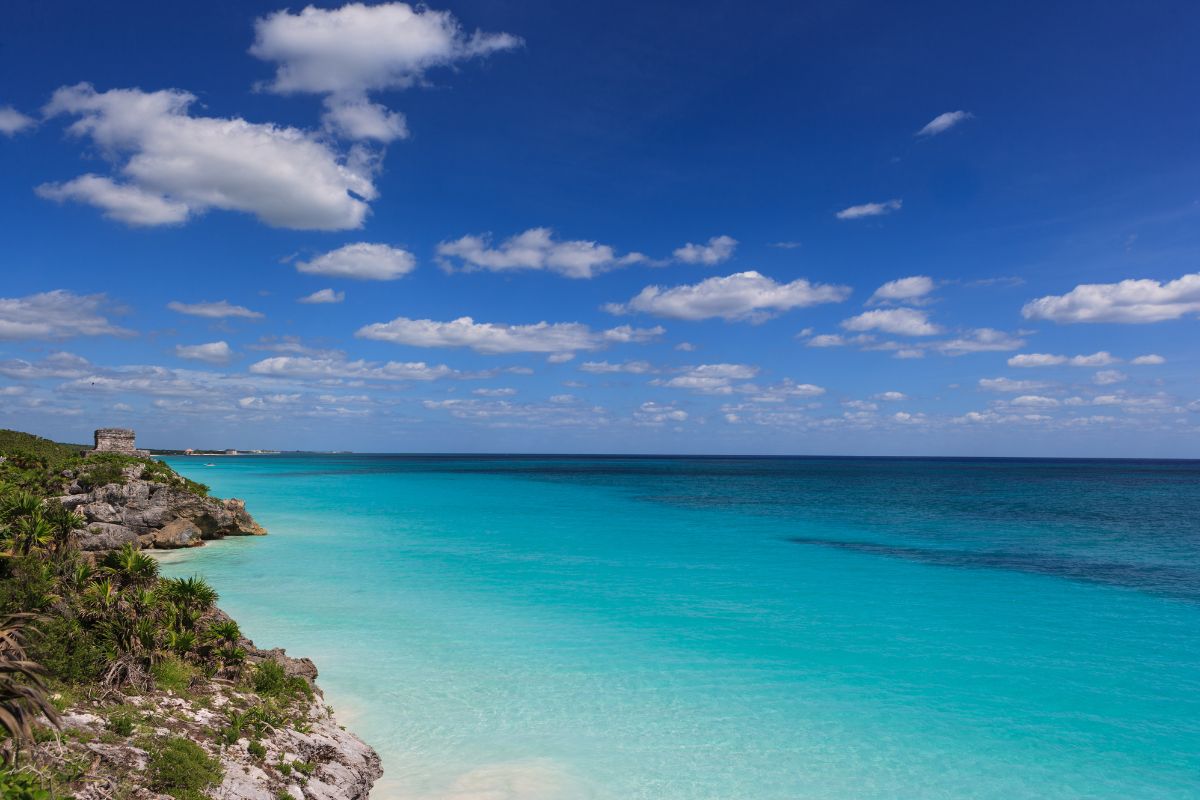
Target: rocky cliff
x,y
152,513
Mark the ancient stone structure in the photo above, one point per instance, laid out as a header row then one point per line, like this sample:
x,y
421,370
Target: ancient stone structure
x,y
118,440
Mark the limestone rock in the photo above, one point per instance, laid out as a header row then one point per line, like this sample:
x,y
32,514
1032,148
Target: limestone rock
x,y
100,536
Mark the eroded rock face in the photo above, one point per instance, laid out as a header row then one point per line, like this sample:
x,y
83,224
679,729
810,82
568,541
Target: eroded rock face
x,y
154,515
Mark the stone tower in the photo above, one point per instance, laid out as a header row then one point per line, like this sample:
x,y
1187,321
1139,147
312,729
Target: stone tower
x,y
118,440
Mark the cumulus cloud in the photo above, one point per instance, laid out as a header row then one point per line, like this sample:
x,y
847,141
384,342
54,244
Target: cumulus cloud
x,y
123,202
891,397
498,392
710,378
346,53
55,315
1149,359
218,310
338,367
1009,385
1129,301
1099,359
898,321
492,338
979,340
911,290
212,352
323,296
718,249
1106,377
652,413
55,365
360,119
13,121
174,165
870,210
535,249
362,261
944,122
743,295
604,367
1034,401
359,48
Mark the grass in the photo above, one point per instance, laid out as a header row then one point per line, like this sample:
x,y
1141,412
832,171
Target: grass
x,y
174,674
181,769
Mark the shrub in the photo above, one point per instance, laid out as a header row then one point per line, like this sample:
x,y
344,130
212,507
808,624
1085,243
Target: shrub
x,y
183,770
21,786
121,723
271,680
257,749
174,674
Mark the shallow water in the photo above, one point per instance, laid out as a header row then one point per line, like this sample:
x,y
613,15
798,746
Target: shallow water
x,y
562,628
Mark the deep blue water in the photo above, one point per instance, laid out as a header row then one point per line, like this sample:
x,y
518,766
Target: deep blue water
x,y
565,627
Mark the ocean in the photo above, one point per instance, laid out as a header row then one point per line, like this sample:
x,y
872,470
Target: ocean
x,y
559,628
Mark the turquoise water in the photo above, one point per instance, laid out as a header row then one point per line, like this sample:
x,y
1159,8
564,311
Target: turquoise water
x,y
562,628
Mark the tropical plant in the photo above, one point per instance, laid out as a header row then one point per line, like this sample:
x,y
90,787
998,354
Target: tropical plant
x,y
192,596
63,523
129,566
24,699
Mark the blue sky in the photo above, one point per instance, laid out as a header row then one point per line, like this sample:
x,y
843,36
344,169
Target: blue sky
x,y
701,228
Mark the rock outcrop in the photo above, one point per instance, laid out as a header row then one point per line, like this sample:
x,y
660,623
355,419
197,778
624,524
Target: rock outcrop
x,y
309,758
153,514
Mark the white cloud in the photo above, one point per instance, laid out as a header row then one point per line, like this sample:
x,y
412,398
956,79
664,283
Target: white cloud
x,y
718,249
909,352
491,338
13,121
501,392
55,365
322,296
784,390
212,352
1150,359
651,413
1009,385
979,340
360,119
338,367
604,367
1099,359
870,210
359,48
176,165
891,397
1036,360
743,295
1034,401
535,249
218,310
710,378
362,261
944,122
1129,301
123,202
903,290
1107,377
827,340
899,321
55,315
560,358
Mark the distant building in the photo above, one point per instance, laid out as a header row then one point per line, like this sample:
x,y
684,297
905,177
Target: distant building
x,y
231,452
118,440
189,452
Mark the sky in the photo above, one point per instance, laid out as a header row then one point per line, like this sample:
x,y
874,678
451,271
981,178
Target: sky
x,y
779,228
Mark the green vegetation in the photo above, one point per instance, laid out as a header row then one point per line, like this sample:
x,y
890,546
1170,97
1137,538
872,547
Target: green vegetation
x,y
183,770
22,786
74,627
